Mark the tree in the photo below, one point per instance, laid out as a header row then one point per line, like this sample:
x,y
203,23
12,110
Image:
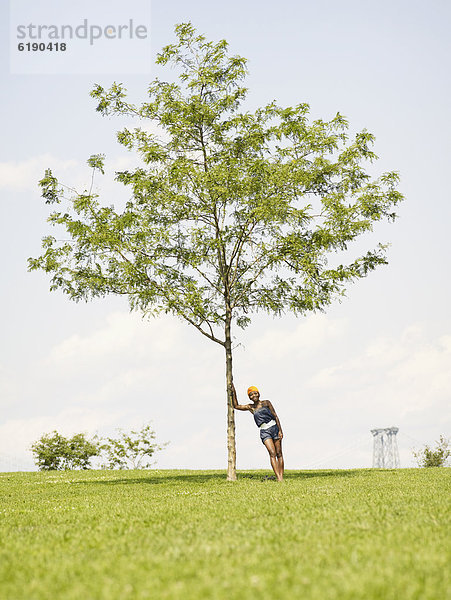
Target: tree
x,y
54,452
231,212
430,457
129,450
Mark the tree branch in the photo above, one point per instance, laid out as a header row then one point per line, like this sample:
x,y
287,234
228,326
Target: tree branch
x,y
210,336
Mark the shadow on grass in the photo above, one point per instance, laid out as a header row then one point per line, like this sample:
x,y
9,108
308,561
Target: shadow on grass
x,y
197,477
299,475
155,479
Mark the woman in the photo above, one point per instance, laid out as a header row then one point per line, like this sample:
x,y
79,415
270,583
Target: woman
x,y
270,429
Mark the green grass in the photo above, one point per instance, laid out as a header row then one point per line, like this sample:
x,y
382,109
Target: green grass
x,y
321,535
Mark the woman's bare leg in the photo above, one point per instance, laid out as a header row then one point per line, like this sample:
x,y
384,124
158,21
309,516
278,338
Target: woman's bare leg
x,y
279,456
269,443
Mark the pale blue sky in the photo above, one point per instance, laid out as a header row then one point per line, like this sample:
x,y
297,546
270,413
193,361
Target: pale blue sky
x,y
381,358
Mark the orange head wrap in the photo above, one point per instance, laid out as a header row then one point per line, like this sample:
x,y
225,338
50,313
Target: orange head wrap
x,y
252,389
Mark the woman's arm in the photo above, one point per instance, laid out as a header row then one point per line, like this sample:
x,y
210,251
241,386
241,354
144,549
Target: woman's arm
x,y
235,401
271,408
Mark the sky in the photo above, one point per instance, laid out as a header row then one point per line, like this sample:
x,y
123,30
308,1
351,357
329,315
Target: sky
x,y
380,358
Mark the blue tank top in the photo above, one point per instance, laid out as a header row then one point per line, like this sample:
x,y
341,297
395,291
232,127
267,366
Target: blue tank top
x,y
263,415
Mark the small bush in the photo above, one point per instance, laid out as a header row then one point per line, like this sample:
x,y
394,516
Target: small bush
x,y
54,452
131,450
430,457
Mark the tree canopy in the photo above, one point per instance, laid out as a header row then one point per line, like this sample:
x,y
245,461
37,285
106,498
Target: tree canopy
x,y
232,211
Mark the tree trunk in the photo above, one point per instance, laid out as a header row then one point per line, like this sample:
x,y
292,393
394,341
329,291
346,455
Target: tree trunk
x,y
231,447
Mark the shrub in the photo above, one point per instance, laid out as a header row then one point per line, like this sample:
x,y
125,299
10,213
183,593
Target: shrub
x,y
430,457
54,452
131,450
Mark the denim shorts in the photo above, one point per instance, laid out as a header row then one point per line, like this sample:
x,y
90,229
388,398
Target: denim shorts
x,y
271,432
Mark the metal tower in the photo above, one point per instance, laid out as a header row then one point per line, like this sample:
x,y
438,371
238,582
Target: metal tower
x,y
385,449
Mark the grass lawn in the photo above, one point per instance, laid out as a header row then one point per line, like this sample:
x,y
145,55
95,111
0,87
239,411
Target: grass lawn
x,y
322,535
